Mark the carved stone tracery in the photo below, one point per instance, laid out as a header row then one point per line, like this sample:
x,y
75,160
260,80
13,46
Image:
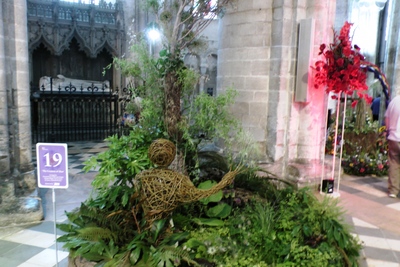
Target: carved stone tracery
x,y
55,23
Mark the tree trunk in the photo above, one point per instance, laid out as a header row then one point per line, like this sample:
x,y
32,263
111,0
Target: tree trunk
x,y
173,118
173,106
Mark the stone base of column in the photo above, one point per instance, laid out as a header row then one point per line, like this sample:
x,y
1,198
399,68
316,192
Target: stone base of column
x,y
21,210
303,173
15,210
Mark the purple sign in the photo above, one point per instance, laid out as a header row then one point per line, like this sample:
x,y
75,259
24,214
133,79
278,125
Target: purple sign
x,y
52,165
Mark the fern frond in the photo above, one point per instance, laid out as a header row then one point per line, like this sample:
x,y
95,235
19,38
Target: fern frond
x,y
95,233
166,255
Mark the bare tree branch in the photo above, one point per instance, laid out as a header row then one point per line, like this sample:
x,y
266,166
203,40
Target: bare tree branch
x,y
184,20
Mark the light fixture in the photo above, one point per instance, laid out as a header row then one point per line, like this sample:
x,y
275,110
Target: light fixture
x,y
153,35
364,3
370,3
153,32
380,3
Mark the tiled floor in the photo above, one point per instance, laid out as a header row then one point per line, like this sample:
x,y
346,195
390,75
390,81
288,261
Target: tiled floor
x,y
34,245
375,217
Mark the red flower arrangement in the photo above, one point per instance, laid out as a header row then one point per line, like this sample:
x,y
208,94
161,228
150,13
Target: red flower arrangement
x,y
341,70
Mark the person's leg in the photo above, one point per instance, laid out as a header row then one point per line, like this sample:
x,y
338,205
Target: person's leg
x,y
394,168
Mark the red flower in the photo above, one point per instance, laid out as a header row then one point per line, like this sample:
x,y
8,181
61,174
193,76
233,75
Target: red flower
x,y
341,70
362,170
340,62
321,49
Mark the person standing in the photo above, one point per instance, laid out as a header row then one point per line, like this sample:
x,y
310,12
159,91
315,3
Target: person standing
x,y
375,107
392,122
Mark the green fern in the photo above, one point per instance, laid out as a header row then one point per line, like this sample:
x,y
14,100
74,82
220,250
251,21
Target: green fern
x,y
95,234
169,256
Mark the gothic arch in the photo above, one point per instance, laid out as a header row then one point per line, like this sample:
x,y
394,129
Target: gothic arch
x,y
75,40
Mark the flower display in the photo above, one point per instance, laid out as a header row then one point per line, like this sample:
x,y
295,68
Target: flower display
x,y
366,165
341,71
359,159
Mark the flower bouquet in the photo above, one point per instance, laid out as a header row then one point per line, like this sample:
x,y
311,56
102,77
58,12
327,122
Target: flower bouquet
x,y
341,73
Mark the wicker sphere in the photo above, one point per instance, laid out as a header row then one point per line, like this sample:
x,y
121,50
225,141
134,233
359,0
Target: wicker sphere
x,y
162,152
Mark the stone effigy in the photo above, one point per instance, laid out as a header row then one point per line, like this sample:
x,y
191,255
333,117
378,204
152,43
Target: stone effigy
x,y
62,83
161,190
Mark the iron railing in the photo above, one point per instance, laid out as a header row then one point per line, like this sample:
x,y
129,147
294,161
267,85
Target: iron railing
x,y
74,114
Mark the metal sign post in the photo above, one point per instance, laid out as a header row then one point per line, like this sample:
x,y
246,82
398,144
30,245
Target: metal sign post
x,y
52,169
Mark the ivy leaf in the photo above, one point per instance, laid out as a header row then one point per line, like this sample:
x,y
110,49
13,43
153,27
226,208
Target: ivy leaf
x,y
213,198
209,221
221,211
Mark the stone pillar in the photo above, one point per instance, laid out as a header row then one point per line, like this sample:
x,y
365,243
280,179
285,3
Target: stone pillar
x,y
21,203
6,185
244,53
257,56
19,108
4,137
306,144
392,57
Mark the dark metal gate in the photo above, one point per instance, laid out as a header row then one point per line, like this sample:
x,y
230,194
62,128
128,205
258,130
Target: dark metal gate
x,y
73,114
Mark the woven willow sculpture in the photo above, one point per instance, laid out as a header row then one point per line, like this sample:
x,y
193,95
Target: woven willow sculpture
x,y
162,189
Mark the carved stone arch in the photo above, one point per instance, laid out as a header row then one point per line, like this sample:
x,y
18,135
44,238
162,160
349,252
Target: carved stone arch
x,y
105,45
77,45
41,41
210,84
192,61
81,42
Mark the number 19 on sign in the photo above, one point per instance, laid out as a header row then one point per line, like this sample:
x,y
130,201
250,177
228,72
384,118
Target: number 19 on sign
x,y
52,165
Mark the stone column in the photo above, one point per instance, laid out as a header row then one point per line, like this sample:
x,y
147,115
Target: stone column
x,y
306,144
20,101
4,137
20,199
257,56
244,53
6,184
392,57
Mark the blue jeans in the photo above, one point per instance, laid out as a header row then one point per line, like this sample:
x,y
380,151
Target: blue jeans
x,y
394,167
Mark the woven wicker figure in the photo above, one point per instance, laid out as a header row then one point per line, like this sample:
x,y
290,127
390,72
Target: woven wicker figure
x,y
162,189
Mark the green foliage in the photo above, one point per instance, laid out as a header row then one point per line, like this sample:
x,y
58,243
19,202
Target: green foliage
x,y
312,232
272,226
157,247
294,230
213,208
110,239
125,157
209,117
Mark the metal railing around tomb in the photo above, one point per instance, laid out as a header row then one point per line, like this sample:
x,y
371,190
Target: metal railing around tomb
x,y
75,114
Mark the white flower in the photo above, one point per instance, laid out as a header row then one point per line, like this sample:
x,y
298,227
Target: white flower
x,y
211,250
